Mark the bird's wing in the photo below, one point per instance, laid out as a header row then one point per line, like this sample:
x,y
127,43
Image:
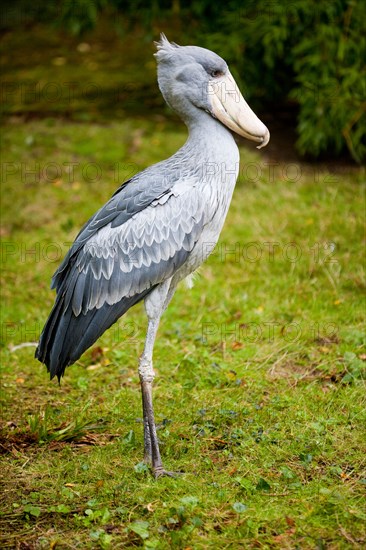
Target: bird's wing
x,y
125,257
139,239
132,197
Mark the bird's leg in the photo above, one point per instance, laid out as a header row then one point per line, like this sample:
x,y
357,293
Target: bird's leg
x,y
146,372
147,375
147,436
155,305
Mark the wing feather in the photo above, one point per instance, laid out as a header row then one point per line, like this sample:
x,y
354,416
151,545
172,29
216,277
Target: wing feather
x,y
132,197
119,262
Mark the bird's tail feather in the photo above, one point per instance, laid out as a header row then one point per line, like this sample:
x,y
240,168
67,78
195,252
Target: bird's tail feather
x,y
65,336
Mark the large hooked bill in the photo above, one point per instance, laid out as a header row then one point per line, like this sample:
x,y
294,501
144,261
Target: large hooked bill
x,y
229,106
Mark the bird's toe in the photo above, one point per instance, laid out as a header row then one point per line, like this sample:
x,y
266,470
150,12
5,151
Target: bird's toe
x,y
160,472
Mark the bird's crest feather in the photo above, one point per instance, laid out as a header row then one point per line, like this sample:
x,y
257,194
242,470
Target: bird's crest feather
x,y
165,49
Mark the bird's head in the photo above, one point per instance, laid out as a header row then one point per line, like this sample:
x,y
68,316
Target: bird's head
x,y
193,78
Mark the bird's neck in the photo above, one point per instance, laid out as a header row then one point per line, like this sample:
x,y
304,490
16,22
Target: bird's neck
x,y
210,154
207,136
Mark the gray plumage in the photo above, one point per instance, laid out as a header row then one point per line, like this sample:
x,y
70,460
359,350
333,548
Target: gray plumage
x,y
158,227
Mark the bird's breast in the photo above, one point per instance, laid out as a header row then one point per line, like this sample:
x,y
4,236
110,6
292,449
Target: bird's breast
x,y
217,183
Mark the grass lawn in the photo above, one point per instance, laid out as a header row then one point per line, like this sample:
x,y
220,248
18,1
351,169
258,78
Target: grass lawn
x,y
260,395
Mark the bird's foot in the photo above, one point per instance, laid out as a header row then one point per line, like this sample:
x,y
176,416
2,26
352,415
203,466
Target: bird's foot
x,y
160,472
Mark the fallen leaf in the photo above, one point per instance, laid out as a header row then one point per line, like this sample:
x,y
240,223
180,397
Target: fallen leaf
x,y
96,353
236,345
290,521
93,367
279,538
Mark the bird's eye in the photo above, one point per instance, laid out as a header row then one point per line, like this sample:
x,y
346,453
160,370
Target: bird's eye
x,y
216,73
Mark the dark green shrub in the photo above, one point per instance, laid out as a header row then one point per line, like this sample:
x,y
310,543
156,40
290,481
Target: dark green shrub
x,y
305,51
331,86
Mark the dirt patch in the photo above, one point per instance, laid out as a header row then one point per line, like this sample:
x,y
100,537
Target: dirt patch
x,y
295,373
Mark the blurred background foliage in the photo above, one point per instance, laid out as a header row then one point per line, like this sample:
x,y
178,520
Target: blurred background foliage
x,y
306,57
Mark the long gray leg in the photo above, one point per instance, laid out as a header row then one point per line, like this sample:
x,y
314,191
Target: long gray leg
x,y
155,304
147,375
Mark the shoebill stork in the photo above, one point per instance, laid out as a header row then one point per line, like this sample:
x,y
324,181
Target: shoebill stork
x,y
158,227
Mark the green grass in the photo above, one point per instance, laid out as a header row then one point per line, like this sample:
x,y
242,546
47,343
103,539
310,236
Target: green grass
x,y
259,395
105,75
